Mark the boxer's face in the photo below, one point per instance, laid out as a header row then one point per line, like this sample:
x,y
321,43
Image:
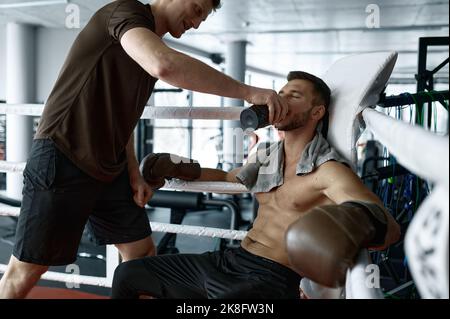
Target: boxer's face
x,y
299,95
184,15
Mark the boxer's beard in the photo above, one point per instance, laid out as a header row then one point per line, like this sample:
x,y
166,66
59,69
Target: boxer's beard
x,y
300,121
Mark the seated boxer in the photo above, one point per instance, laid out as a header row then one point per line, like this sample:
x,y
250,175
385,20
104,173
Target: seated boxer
x,y
314,216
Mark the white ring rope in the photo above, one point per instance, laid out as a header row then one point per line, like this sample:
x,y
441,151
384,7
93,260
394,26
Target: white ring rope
x,y
156,227
195,113
174,184
71,279
150,112
8,211
21,109
206,187
11,167
199,231
164,228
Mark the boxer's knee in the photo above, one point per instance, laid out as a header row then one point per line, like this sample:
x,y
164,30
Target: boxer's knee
x,y
126,279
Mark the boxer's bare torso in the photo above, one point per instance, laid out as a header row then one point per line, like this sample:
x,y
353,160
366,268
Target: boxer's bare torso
x,y
281,207
332,183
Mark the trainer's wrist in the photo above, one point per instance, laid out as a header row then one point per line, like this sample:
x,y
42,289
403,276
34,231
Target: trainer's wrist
x,y
247,93
133,168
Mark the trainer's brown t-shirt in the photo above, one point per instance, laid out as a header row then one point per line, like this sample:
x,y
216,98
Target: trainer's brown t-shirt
x,y
100,93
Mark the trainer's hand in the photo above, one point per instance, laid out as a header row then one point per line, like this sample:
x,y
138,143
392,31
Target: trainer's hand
x,y
278,107
141,190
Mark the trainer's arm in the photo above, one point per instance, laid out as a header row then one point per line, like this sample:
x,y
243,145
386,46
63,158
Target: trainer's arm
x,y
142,192
176,68
133,164
181,70
340,184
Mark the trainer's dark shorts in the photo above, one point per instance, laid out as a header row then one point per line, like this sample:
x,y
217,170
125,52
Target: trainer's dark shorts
x,y
59,199
229,274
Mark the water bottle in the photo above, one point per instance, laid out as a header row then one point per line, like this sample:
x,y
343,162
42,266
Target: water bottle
x,y
255,117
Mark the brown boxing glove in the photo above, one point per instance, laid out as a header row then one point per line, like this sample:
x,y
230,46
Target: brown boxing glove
x,y
155,168
324,243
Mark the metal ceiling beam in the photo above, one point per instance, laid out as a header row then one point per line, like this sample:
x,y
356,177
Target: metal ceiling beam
x,y
186,48
32,19
348,52
325,30
217,57
18,5
265,72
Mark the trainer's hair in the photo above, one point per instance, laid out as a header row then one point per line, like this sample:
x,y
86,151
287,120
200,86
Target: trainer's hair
x,y
322,94
216,4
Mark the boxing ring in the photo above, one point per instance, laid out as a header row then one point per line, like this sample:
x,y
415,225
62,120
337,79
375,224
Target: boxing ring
x,y
343,135
199,113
